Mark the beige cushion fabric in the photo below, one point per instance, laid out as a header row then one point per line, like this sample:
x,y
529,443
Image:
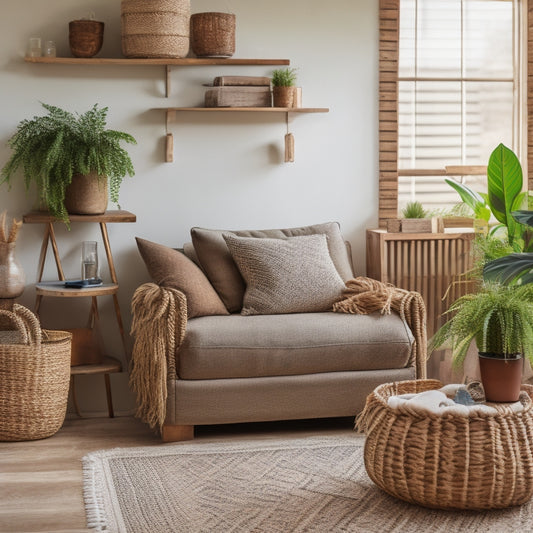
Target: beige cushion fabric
x,y
224,275
170,268
239,346
293,275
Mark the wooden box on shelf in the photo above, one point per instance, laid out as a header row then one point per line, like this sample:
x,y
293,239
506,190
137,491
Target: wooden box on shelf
x,y
415,225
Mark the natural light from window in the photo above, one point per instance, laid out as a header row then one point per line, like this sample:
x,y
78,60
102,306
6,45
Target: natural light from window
x,y
458,94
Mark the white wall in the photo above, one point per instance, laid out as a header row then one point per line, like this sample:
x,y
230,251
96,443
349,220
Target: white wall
x,y
228,170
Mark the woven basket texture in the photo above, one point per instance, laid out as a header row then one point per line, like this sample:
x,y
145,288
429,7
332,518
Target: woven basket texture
x,y
87,194
450,461
155,28
35,376
85,37
213,34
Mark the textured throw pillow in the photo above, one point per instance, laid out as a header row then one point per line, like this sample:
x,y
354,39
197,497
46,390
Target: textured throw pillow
x,y
224,275
292,275
170,268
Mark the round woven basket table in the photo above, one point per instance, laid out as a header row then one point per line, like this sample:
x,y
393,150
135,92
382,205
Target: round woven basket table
x,y
476,461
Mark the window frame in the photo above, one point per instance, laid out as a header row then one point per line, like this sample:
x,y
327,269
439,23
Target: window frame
x,y
389,22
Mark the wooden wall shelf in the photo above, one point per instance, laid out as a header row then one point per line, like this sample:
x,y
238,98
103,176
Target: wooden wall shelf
x,y
165,62
172,111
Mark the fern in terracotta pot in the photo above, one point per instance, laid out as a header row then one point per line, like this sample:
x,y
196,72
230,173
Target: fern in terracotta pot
x,y
70,157
499,318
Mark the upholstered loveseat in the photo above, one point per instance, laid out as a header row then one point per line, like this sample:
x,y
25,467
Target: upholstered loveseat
x,y
238,327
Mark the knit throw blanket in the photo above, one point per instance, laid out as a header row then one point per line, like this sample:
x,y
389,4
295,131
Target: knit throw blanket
x,y
160,319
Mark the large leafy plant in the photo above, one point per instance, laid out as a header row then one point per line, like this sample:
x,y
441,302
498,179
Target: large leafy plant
x,y
498,317
504,196
50,149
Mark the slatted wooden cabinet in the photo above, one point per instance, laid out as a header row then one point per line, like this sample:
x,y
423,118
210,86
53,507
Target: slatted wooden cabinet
x,y
429,263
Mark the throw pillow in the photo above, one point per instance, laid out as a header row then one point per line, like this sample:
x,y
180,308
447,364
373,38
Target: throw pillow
x,y
292,275
170,268
224,275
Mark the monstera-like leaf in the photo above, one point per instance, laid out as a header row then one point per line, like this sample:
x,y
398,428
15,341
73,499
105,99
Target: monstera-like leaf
x,y
511,269
504,175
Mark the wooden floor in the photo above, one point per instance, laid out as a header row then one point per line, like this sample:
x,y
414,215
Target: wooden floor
x,y
41,481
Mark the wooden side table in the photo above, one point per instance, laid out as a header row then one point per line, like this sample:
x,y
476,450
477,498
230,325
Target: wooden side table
x,y
57,289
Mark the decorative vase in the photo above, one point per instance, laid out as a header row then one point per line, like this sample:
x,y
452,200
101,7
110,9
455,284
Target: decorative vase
x,y
85,37
283,96
87,194
12,279
501,378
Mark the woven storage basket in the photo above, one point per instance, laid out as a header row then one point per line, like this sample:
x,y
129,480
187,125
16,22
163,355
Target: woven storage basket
x,y
155,28
213,34
448,462
34,378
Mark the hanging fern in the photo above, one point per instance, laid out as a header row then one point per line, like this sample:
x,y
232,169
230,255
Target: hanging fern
x,y
50,149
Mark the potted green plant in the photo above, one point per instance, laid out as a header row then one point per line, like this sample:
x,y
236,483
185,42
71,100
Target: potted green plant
x,y
499,318
283,90
71,158
415,219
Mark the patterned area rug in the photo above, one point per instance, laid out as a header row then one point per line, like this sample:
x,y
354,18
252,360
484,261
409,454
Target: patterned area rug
x,y
316,484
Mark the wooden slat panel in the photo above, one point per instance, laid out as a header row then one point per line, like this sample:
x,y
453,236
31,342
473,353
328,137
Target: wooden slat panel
x,y
389,20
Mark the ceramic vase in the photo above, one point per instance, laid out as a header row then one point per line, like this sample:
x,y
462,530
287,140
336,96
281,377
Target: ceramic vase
x,y
12,279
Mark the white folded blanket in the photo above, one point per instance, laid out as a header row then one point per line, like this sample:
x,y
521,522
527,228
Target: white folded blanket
x,y
440,402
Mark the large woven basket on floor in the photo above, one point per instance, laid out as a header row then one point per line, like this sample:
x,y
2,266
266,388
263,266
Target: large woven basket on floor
x,y
34,377
155,28
445,462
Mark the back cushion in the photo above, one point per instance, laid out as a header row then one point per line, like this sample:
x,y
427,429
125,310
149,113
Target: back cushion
x,y
219,267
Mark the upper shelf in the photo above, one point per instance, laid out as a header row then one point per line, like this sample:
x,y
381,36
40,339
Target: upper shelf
x,y
185,62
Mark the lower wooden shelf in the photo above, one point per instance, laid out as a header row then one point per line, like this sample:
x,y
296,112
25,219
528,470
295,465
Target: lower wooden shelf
x,y
58,289
109,365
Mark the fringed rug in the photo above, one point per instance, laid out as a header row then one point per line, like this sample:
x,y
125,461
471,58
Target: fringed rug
x,y
295,485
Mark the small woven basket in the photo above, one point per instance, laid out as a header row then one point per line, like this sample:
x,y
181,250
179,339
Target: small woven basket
x,y
85,37
34,377
155,28
213,34
448,462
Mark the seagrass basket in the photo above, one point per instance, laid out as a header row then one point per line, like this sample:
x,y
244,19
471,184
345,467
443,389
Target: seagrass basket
x,y
480,461
155,28
213,34
34,377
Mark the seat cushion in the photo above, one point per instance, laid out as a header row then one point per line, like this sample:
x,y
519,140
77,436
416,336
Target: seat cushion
x,y
302,343
224,275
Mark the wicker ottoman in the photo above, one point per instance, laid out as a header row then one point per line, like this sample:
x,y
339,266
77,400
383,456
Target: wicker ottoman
x,y
450,461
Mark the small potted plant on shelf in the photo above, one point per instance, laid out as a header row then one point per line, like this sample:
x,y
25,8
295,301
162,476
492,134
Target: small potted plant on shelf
x,y
71,158
499,318
283,89
415,219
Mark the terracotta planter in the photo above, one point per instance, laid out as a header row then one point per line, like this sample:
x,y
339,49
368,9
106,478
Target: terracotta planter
x,y
87,195
12,279
501,378
283,96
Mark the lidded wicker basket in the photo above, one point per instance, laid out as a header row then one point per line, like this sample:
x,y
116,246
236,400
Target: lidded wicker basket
x,y
155,28
213,34
481,461
34,377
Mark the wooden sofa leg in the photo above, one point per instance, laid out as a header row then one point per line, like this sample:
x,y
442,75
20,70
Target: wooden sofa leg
x,y
176,433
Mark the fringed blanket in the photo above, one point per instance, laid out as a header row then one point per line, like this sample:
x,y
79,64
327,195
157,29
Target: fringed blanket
x,y
363,296
160,319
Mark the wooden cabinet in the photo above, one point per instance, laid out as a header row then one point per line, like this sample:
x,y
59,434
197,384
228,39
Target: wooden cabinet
x,y
57,288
